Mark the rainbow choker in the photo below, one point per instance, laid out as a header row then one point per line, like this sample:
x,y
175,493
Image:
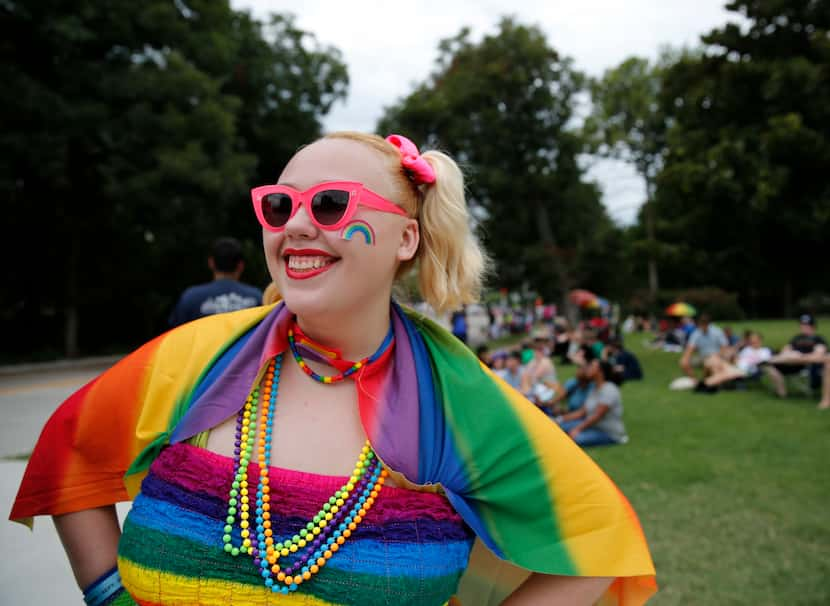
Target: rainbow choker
x,y
305,341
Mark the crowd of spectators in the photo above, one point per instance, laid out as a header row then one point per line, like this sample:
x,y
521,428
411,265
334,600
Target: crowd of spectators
x,y
714,358
588,406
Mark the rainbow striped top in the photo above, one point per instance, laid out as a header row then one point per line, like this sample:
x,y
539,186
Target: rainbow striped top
x,y
411,548
435,416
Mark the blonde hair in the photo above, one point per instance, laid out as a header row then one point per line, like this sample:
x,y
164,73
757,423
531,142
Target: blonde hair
x,y
451,263
271,294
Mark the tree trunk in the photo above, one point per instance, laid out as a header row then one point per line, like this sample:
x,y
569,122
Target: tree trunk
x,y
70,332
549,242
653,280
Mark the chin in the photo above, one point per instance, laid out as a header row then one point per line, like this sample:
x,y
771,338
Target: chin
x,y
309,304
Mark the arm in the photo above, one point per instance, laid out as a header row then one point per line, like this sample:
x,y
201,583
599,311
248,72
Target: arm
x,y
90,539
526,382
573,416
600,412
686,360
558,591
818,354
555,386
561,394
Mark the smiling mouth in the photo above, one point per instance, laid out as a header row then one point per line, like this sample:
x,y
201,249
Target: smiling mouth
x,y
302,266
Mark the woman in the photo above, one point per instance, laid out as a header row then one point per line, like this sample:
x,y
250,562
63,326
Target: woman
x,y
599,420
245,428
539,381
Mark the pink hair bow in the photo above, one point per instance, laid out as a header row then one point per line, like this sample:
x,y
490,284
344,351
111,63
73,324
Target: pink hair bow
x,y
419,169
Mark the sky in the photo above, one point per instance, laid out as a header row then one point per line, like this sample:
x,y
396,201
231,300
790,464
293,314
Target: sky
x,y
389,46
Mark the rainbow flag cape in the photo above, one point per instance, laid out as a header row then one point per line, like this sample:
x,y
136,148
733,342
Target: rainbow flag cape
x,y
436,417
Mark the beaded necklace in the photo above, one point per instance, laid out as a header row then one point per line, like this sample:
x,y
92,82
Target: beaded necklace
x,y
315,543
292,343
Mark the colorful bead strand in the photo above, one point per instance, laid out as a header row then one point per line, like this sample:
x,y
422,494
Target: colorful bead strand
x,y
320,538
292,344
238,499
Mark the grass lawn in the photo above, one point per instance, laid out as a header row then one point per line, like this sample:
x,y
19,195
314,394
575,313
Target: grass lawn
x,y
732,489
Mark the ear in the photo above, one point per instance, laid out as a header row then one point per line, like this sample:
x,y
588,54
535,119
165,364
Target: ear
x,y
211,264
410,238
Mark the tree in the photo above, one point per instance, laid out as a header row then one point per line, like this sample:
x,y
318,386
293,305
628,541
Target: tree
x,y
132,133
503,107
628,123
745,178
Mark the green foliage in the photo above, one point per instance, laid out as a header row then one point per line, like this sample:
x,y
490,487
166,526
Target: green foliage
x,y
132,133
503,106
627,121
744,183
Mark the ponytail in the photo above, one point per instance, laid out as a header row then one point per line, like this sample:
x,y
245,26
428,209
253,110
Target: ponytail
x,y
451,264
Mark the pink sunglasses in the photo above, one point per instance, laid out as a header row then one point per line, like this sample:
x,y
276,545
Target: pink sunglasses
x,y
330,205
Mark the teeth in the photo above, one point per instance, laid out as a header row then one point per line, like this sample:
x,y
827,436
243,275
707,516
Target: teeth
x,y
307,263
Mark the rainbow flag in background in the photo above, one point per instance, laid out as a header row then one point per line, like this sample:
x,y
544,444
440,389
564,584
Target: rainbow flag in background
x,y
435,417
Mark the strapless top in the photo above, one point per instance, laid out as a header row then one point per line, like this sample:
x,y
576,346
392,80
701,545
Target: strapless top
x,y
410,549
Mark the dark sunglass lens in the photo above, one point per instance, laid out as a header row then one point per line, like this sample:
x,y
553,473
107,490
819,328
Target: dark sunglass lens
x,y
329,206
276,208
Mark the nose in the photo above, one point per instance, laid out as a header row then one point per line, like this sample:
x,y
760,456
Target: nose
x,y
301,225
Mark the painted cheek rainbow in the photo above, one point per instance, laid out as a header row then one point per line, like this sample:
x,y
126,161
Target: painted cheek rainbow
x,y
359,227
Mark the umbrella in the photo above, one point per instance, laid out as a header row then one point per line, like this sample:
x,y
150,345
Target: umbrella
x,y
581,297
680,310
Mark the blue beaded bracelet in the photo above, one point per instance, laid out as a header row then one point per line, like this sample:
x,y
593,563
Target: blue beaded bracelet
x,y
104,589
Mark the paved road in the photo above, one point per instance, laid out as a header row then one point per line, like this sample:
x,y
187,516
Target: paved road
x,y
34,569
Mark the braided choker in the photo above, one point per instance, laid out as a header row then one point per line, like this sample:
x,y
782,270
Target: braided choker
x,y
296,340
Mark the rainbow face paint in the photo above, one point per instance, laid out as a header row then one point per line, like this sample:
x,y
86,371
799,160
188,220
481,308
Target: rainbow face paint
x,y
359,227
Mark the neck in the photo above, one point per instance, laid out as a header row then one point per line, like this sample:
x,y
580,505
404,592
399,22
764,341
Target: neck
x,y
356,334
225,275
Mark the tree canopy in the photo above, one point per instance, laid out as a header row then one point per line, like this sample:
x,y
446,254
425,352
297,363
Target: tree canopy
x,y
504,106
135,131
743,192
132,133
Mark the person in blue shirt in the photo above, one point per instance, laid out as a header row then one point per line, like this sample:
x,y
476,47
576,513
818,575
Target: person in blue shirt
x,y
512,371
706,341
459,325
225,293
687,327
574,392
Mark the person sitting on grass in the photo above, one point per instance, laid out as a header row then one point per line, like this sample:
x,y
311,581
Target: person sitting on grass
x,y
706,341
624,362
687,327
539,383
721,371
753,355
600,420
824,404
498,358
574,393
483,353
806,349
512,371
